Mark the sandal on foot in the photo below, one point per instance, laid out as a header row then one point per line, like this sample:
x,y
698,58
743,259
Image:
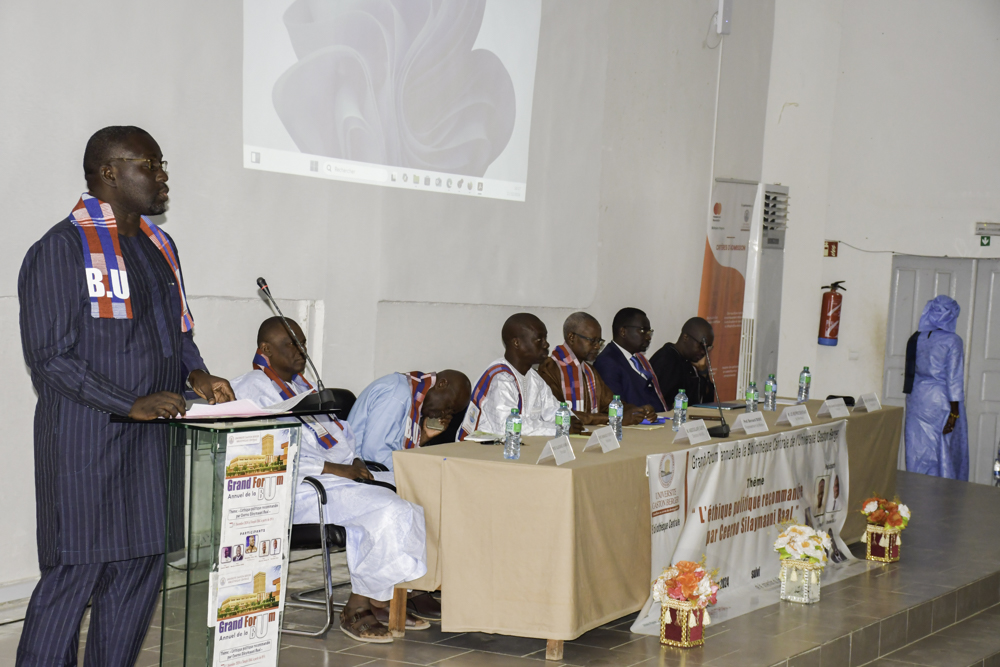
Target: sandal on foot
x,y
359,626
412,622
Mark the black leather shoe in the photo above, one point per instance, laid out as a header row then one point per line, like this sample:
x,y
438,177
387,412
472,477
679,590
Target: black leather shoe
x,y
424,606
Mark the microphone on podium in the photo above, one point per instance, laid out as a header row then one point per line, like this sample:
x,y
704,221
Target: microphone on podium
x,y
721,431
325,398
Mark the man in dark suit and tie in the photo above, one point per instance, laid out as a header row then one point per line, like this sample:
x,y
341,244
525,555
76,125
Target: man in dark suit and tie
x,y
684,364
624,367
105,330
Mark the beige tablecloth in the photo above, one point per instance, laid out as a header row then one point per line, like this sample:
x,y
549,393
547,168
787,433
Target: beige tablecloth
x,y
552,552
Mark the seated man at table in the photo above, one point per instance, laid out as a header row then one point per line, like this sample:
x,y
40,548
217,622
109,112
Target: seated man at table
x,y
386,539
402,410
683,365
511,382
569,374
623,366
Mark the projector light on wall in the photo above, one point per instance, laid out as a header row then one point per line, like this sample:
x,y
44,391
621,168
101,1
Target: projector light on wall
x,y
723,17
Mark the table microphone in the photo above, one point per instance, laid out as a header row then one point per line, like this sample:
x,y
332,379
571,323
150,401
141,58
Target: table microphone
x,y
325,397
722,430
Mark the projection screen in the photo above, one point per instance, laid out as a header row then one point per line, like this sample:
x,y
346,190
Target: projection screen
x,y
430,95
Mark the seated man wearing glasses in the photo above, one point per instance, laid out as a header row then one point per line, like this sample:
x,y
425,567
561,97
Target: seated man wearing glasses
x,y
683,365
623,365
386,535
569,374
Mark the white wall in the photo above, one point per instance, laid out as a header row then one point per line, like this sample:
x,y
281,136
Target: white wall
x,y
802,89
618,176
888,140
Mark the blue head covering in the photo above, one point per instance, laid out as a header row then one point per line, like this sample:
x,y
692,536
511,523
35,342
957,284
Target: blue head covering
x,y
941,312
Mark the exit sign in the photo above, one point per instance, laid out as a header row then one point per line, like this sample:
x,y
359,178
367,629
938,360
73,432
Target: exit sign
x,y
830,248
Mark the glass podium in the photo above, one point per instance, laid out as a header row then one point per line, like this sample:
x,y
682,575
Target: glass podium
x,y
231,495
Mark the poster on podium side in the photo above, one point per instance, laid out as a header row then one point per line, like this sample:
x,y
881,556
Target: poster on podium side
x,y
247,594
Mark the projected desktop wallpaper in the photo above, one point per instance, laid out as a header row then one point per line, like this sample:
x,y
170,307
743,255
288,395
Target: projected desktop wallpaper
x,y
432,95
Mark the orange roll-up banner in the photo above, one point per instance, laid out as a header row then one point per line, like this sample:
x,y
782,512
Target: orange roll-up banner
x,y
723,278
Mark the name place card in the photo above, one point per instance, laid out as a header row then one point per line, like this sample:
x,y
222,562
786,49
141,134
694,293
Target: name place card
x,y
604,438
750,423
795,415
868,403
834,408
558,449
694,432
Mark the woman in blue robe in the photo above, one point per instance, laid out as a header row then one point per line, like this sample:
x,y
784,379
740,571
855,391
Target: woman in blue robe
x,y
937,440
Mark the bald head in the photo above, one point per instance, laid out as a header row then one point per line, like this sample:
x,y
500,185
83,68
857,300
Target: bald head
x,y
519,324
274,326
450,394
275,342
695,333
698,328
524,341
107,143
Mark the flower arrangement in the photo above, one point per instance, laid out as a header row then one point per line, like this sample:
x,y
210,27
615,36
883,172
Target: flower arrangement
x,y
684,591
886,513
688,582
803,543
885,519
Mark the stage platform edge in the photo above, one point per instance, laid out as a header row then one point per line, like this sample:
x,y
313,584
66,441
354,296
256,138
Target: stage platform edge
x,y
940,605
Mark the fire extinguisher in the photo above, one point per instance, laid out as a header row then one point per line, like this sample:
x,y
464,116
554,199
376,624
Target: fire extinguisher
x,y
829,315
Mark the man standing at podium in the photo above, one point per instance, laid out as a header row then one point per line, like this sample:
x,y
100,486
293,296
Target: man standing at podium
x,y
105,330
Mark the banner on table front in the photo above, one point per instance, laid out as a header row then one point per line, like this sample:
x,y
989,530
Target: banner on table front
x,y
726,502
248,591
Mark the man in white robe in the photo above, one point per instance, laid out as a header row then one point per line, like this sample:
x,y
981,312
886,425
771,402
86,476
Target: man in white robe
x,y
386,538
511,382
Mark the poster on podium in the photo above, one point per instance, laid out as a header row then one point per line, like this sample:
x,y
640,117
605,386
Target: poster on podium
x,y
247,591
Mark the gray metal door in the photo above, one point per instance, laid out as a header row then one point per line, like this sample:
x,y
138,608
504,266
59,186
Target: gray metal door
x,y
982,387
915,281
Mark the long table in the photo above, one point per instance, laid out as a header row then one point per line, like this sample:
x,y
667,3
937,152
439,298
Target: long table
x,y
553,552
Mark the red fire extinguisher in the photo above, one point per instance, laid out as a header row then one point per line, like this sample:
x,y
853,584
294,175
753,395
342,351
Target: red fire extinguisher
x,y
829,315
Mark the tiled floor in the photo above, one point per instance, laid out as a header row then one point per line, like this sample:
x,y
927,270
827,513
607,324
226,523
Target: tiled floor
x,y
948,584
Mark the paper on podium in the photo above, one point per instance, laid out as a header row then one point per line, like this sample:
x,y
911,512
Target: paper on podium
x,y
693,431
834,408
868,403
241,408
750,423
795,415
604,438
558,449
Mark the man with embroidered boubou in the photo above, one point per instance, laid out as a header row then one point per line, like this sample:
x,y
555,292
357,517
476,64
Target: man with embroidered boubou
x,y
511,382
105,329
386,535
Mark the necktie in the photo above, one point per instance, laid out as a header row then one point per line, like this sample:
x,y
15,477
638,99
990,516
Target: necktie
x,y
642,371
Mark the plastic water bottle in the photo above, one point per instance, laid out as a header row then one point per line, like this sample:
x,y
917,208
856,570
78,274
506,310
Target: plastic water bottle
x,y
805,379
771,393
563,417
751,397
512,436
680,409
615,413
